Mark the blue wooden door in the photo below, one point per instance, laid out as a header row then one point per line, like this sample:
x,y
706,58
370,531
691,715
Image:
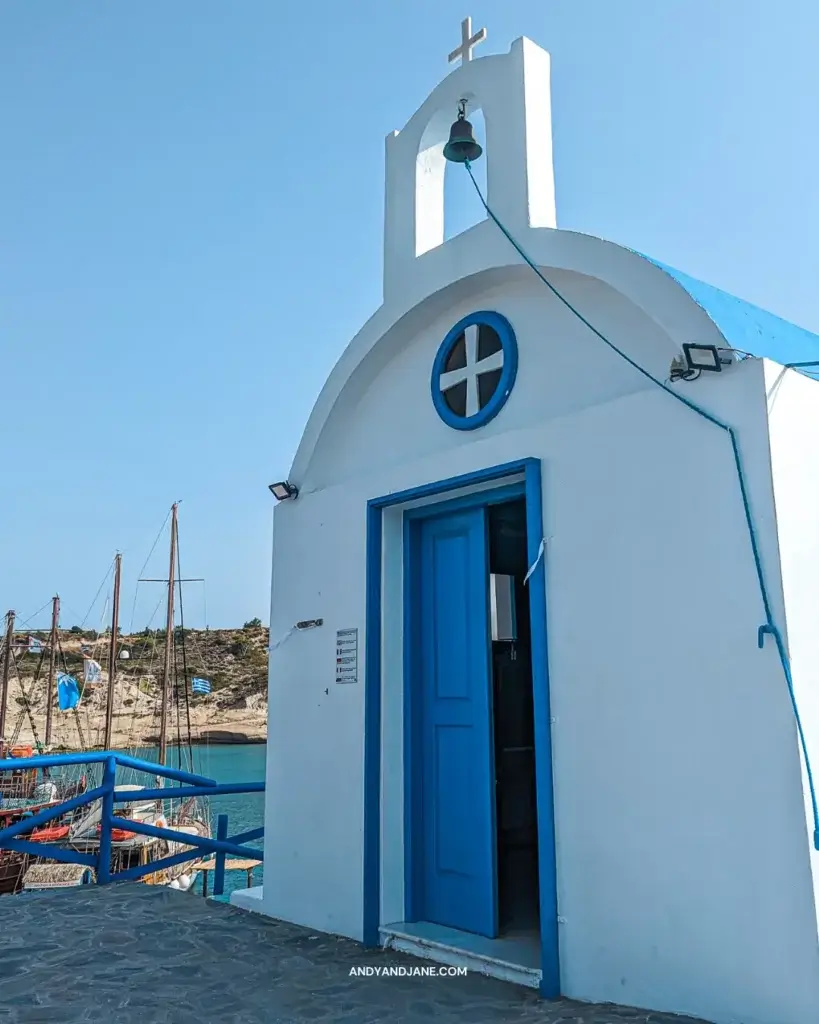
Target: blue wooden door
x,y
455,762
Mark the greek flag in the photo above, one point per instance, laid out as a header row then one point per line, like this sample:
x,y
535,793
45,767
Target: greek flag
x,y
34,645
200,685
93,671
68,693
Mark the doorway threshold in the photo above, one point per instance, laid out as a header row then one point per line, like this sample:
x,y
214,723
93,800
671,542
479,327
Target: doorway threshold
x,y
514,957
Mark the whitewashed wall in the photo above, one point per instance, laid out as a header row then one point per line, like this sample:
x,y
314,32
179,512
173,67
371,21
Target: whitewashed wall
x,y
793,416
683,865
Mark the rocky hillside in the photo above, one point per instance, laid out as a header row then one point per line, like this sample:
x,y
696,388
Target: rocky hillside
x,y
234,661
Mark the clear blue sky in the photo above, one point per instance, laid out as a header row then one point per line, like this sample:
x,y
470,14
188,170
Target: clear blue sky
x,y
191,199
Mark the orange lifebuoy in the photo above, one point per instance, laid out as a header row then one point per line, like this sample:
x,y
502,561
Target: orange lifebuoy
x,y
43,835
22,751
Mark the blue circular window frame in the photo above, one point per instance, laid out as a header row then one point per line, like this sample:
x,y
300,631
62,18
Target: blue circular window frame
x,y
509,345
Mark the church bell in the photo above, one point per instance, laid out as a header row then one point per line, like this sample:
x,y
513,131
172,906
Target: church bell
x,y
462,145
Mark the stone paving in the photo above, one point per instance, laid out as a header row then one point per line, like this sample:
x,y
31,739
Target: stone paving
x,y
134,954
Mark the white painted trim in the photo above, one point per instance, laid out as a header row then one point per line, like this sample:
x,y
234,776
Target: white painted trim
x,y
248,899
451,956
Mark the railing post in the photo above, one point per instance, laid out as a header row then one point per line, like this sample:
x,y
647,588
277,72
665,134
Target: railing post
x,y
109,776
219,867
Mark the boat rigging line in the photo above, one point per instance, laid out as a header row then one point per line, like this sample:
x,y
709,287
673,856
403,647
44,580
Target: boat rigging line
x,y
26,709
184,664
99,591
144,566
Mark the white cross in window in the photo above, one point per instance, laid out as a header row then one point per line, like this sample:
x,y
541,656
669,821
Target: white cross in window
x,y
473,369
468,42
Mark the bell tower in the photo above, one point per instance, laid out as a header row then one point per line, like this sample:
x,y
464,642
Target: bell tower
x,y
513,92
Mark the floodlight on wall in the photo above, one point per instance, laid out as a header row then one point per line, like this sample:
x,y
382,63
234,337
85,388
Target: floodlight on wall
x,y
283,490
703,357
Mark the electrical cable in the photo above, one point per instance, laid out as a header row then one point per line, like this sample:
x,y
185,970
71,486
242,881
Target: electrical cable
x,y
769,626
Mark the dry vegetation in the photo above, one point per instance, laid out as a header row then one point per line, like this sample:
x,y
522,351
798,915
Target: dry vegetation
x,y
233,660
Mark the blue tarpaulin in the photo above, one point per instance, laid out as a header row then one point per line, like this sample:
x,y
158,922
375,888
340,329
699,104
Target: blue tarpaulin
x,y
68,692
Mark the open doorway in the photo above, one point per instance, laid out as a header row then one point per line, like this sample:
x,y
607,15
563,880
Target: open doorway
x,y
513,722
471,841
472,871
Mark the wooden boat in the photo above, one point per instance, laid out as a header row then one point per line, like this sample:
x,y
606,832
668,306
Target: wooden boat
x,y
13,867
16,785
47,793
24,792
129,849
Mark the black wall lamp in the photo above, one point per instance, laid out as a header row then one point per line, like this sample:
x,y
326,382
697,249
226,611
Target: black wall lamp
x,y
283,490
704,357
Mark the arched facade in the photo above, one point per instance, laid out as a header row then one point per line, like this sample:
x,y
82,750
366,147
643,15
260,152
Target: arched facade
x,y
481,261
612,512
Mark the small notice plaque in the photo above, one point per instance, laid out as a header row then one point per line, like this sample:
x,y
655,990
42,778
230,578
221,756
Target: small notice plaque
x,y
347,656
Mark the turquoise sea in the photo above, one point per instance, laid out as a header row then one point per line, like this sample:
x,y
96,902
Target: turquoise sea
x,y
225,763
234,763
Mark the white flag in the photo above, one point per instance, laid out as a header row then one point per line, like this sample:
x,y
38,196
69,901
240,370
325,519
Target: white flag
x,y
93,671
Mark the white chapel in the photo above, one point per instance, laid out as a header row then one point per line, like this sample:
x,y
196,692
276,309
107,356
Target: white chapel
x,y
543,685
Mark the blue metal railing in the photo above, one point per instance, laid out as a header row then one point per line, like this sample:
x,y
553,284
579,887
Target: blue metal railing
x,y
12,837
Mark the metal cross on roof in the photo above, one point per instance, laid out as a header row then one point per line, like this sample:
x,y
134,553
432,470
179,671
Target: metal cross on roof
x,y
468,42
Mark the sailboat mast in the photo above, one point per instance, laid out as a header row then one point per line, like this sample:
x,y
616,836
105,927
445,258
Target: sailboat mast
x,y
112,656
52,666
4,679
166,672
